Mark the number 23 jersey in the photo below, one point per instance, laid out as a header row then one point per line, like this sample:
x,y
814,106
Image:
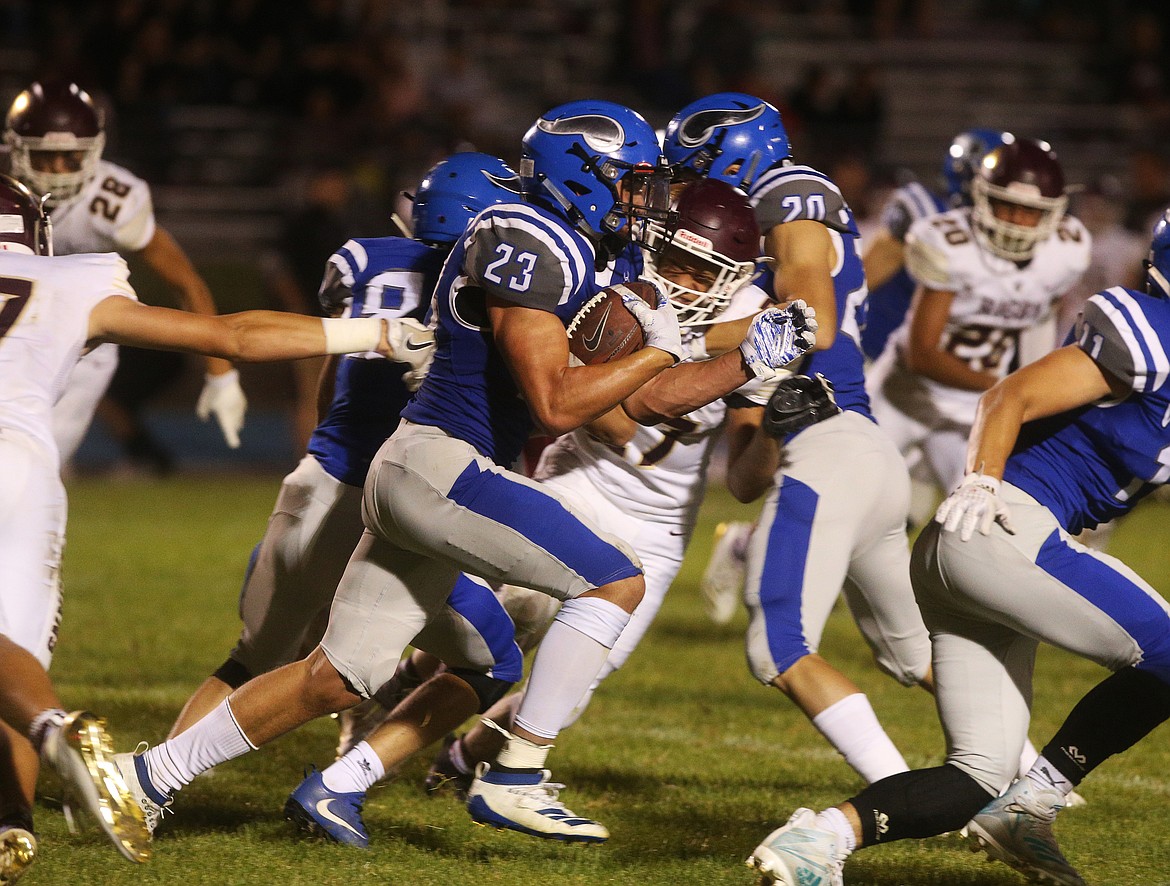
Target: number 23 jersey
x,y
113,213
994,299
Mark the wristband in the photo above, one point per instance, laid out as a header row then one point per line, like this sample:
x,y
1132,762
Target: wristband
x,y
352,336
227,379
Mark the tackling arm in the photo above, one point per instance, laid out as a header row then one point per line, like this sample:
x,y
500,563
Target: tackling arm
x,y
250,336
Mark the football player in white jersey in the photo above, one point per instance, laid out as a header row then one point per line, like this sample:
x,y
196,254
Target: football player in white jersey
x,y
1077,438
986,274
51,310
55,135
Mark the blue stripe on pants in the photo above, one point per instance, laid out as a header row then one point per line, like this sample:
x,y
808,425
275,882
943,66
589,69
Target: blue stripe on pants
x,y
782,581
480,606
1117,596
544,521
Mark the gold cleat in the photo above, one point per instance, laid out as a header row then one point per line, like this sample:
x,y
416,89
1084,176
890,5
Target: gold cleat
x,y
18,849
82,753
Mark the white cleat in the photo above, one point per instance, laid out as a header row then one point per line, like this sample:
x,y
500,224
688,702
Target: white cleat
x,y
133,771
1016,828
527,802
723,579
81,752
799,853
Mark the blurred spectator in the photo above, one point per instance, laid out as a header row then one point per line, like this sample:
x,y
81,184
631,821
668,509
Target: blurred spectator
x,y
723,50
294,269
1149,188
1116,258
860,112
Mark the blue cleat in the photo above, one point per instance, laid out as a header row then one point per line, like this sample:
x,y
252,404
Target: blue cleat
x,y
335,816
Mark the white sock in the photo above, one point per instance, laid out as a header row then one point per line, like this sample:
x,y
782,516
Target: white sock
x,y
215,739
833,819
42,723
1028,755
1044,775
455,752
852,728
356,772
564,668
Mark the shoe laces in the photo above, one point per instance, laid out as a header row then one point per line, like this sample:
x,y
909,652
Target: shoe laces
x,y
543,791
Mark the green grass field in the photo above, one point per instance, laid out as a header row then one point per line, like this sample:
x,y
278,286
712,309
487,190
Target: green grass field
x,y
686,759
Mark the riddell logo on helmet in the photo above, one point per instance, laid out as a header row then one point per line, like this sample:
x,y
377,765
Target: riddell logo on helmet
x,y
693,239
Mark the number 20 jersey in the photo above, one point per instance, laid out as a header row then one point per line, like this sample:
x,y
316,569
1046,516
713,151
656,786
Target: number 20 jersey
x,y
994,299
524,254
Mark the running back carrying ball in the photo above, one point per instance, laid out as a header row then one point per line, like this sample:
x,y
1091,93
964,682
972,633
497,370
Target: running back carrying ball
x,y
604,329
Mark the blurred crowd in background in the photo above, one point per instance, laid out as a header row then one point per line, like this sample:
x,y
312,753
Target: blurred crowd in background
x,y
318,114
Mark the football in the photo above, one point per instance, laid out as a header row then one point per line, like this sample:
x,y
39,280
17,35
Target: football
x,y
604,329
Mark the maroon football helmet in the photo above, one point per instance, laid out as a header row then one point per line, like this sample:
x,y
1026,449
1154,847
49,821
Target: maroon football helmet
x,y
1024,172
718,240
24,226
57,118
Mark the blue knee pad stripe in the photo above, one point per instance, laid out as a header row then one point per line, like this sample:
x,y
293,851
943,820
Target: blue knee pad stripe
x,y
544,521
782,581
1113,593
484,611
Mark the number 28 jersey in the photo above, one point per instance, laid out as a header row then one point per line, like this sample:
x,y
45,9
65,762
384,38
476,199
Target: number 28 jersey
x,y
994,299
112,213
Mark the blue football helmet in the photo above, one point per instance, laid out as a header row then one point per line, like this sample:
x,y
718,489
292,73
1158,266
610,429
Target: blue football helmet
x,y
1158,264
967,149
728,136
600,163
456,190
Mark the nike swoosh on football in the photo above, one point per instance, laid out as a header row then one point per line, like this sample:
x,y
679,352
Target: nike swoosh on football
x,y
592,340
412,345
324,812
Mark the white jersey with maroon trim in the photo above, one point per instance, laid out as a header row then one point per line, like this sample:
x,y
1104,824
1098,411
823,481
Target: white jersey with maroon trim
x,y
112,213
45,304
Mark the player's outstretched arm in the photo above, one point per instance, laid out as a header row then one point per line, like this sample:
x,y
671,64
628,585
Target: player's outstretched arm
x,y
561,397
248,337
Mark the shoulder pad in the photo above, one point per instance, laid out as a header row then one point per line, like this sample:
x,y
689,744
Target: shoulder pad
x,y
1115,329
798,193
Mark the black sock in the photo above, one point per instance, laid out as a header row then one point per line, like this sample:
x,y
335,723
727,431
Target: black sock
x,y
1113,716
916,804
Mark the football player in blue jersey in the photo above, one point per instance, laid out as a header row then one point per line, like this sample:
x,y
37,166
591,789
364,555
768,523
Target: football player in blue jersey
x,y
317,518
891,288
1072,440
440,498
836,511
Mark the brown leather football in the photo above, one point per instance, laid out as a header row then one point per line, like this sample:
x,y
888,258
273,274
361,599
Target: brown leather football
x,y
604,329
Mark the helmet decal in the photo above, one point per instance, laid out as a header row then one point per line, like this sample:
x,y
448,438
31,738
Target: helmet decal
x,y
698,128
602,134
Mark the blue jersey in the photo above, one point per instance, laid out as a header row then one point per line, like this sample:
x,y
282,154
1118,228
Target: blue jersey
x,y
1094,463
383,277
526,254
795,193
889,302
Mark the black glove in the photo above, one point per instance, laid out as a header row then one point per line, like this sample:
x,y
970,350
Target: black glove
x,y
797,402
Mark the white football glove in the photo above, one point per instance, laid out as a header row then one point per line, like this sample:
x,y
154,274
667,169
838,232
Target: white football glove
x,y
413,344
659,325
777,337
975,503
223,397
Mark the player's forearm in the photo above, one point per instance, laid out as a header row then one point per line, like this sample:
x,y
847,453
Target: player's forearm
x,y
584,393
265,336
993,436
947,369
686,387
752,464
